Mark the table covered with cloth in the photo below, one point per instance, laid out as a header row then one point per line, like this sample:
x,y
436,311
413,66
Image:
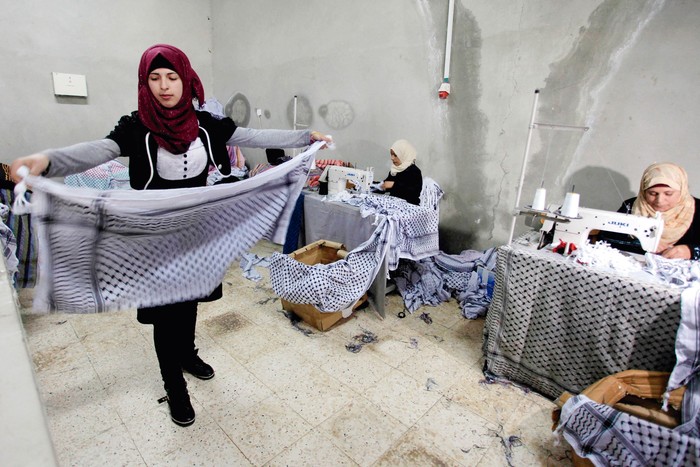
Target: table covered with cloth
x,y
393,229
607,436
556,325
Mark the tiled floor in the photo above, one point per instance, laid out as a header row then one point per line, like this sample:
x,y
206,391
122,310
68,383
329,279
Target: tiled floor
x,y
284,395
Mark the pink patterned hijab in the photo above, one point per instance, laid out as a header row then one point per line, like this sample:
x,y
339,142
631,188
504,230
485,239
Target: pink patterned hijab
x,y
175,128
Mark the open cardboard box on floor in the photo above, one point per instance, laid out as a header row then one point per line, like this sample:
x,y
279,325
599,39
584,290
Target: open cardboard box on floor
x,y
319,252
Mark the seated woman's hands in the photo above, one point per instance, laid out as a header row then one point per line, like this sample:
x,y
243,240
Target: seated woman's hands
x,y
318,136
676,252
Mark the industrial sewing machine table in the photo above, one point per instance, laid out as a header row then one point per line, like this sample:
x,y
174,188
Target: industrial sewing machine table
x,y
556,325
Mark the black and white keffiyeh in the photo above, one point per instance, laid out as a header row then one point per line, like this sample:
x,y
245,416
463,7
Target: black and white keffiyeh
x,y
403,231
609,437
8,242
414,228
336,286
119,249
438,278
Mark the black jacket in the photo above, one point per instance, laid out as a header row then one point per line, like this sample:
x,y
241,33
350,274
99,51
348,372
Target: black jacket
x,y
407,184
130,135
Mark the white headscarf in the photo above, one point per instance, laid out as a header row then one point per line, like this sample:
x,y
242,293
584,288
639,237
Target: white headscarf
x,y
406,154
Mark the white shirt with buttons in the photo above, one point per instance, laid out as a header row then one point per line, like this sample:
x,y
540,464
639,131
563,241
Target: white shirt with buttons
x,y
182,166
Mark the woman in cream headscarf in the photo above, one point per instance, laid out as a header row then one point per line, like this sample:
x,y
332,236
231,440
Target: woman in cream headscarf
x,y
664,188
405,180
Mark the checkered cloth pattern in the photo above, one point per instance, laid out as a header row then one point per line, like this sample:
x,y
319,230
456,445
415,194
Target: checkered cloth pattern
x,y
558,326
335,286
403,231
119,249
8,242
609,437
108,176
414,228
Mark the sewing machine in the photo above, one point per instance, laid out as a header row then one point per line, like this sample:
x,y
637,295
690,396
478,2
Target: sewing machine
x,y
576,230
338,178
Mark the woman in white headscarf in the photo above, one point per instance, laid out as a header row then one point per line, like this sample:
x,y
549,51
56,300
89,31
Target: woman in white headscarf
x,y
405,180
664,188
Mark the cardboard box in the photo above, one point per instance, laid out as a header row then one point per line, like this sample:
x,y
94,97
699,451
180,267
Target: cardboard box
x,y
319,252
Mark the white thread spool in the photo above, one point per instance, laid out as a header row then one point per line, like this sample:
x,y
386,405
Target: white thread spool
x,y
570,207
538,202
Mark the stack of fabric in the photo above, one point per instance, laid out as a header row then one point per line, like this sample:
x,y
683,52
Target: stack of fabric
x,y
20,244
403,231
438,278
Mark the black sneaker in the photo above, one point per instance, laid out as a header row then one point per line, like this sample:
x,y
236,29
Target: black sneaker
x,y
181,411
196,367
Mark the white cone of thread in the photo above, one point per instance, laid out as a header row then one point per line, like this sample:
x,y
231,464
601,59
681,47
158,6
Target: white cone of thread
x,y
539,202
570,207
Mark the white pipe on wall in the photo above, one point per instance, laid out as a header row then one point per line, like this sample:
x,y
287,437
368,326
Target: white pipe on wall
x,y
448,40
444,90
295,113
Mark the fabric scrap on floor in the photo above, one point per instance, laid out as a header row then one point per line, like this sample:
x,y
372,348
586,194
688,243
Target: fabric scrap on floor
x,y
360,340
295,321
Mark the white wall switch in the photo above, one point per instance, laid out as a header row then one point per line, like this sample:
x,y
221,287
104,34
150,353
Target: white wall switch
x,y
66,84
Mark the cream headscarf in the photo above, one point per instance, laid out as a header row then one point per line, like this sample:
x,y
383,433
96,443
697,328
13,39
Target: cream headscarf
x,y
677,220
406,154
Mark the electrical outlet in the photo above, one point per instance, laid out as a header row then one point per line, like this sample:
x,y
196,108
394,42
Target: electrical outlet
x,y
258,112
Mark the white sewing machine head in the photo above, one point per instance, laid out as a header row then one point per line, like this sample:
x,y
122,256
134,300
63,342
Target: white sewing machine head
x,y
338,178
647,230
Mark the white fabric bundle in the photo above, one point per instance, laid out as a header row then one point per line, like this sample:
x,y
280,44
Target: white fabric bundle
x,y
111,250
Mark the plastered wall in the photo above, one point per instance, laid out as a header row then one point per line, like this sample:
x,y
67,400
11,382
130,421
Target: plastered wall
x,y
367,72
101,39
625,69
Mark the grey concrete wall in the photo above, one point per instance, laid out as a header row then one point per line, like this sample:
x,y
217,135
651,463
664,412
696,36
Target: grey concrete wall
x,y
102,39
368,73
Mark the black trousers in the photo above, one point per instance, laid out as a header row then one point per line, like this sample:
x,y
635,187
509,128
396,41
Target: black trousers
x,y
173,338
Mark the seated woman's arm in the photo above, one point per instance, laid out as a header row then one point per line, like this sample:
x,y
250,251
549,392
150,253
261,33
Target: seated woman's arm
x,y
688,247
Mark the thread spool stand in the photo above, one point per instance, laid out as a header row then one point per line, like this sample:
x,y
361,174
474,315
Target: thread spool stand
x,y
517,210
